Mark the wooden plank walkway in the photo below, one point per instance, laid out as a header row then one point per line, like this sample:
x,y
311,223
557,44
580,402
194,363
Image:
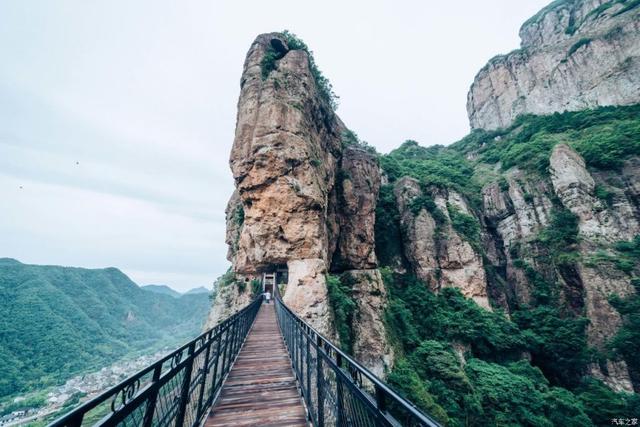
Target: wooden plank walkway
x,y
261,389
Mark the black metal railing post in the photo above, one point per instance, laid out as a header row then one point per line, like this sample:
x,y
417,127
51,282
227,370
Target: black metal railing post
x,y
186,381
225,333
319,382
339,393
151,404
215,364
308,362
205,372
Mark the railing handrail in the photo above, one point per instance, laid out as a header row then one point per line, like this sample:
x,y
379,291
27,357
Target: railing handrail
x,y
131,384
379,385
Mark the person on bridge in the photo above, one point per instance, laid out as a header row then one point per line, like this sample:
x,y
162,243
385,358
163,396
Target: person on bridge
x,y
267,297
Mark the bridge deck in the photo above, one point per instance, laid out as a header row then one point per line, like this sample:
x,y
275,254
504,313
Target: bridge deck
x,y
261,389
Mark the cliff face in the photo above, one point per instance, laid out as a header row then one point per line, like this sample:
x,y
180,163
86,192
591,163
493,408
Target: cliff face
x,y
574,55
511,253
436,252
305,195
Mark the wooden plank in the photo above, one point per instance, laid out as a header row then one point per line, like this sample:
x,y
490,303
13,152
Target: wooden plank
x,y
261,389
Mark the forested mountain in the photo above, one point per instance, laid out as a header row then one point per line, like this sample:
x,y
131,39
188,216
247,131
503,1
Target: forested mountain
x,y
198,290
58,321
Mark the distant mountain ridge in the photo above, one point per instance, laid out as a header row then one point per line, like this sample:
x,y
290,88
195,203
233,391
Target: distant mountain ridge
x,y
198,290
161,289
166,290
58,321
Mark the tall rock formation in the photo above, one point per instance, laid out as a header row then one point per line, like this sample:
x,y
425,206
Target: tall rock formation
x,y
575,54
305,194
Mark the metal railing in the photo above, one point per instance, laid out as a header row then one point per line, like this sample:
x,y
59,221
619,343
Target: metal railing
x,y
337,390
178,389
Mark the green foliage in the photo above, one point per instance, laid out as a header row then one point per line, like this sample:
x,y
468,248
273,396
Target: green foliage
x,y
496,386
561,236
556,339
58,321
603,404
465,225
606,146
343,306
604,194
324,85
415,314
577,45
436,363
238,215
426,202
256,287
268,63
242,286
624,255
503,184
349,137
406,381
387,228
628,5
556,342
35,401
626,342
630,248
605,137
510,399
433,166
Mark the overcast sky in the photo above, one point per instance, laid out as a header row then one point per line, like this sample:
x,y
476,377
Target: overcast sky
x,y
117,117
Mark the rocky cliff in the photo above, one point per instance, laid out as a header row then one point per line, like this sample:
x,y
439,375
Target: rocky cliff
x,y
306,193
506,262
574,55
520,222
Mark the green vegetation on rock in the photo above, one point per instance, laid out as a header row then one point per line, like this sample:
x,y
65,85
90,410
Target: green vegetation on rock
x,y
494,385
343,306
294,42
469,366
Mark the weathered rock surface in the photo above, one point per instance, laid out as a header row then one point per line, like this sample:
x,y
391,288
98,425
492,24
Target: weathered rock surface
x,y
359,184
284,158
598,224
306,293
575,186
229,299
371,346
234,218
303,198
436,252
419,232
573,56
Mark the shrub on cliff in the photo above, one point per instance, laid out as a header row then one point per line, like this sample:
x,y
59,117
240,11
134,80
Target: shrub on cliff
x,y
406,381
324,85
626,342
343,306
